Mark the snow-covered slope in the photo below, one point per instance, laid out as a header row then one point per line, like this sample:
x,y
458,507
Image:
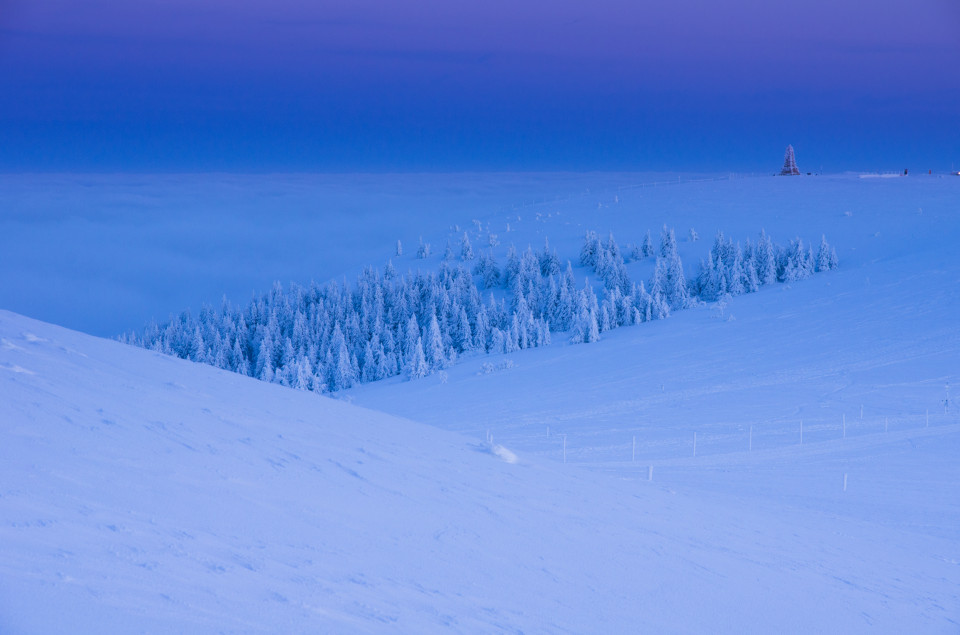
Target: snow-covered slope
x,y
852,353
140,493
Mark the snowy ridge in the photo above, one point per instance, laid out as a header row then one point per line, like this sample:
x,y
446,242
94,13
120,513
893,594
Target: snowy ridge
x,y
145,493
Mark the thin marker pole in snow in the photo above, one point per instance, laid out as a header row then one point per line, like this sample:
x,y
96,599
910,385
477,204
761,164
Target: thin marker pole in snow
x,y
548,431
844,481
649,472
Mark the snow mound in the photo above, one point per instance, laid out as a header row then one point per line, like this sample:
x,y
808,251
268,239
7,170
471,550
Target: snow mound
x,y
504,454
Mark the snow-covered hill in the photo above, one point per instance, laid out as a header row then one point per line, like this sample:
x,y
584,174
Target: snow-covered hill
x,y
140,493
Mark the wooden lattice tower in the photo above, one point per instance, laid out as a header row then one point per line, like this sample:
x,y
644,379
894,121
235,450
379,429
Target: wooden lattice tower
x,y
789,163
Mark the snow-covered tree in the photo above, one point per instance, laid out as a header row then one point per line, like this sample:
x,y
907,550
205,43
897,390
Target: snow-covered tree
x,y
342,372
512,268
585,327
668,243
826,256
766,260
433,347
738,277
417,364
423,250
549,260
303,377
647,248
588,253
466,251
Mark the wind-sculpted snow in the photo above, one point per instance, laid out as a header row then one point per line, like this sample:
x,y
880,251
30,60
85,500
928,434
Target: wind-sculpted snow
x,y
141,493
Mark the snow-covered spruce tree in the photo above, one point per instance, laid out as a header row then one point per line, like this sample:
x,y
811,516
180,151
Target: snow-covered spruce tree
x,y
606,261
512,267
198,350
588,253
368,373
561,309
766,260
643,304
585,327
826,256
737,277
526,282
488,271
264,368
660,307
433,347
466,250
676,293
461,333
797,262
342,372
616,276
668,243
647,248
417,363
304,378
722,248
549,260
705,283
389,271
423,250
603,264
750,281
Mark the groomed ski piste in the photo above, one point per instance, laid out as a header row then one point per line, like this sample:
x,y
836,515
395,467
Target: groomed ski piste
x,y
784,461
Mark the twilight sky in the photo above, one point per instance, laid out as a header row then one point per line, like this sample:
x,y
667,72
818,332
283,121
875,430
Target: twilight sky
x,y
182,85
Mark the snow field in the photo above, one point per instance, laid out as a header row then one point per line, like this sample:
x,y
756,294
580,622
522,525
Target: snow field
x,y
143,493
140,493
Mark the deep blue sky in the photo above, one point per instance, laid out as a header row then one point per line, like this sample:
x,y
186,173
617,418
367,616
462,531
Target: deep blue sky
x,y
181,85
